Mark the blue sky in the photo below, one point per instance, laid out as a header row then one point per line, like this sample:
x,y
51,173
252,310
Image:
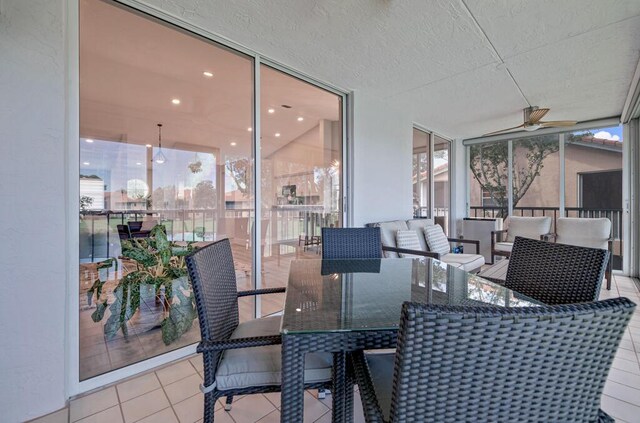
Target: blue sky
x,y
613,131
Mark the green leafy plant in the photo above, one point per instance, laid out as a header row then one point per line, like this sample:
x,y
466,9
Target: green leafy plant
x,y
160,264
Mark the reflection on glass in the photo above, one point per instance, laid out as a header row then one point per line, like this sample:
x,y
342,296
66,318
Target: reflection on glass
x,y
373,300
301,160
421,173
488,179
441,187
593,179
140,215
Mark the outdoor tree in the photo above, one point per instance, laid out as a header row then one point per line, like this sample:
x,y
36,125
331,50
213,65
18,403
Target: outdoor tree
x,y
241,172
204,195
489,166
85,203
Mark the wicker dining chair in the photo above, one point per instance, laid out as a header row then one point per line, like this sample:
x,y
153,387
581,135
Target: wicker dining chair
x,y
239,358
555,273
351,243
490,364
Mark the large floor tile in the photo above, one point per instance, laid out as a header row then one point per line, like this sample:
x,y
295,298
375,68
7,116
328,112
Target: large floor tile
x,y
92,404
191,409
183,389
144,405
251,408
620,410
110,415
60,416
175,372
138,386
622,392
165,416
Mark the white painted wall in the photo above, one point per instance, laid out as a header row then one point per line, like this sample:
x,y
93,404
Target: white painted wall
x,y
458,185
382,148
33,208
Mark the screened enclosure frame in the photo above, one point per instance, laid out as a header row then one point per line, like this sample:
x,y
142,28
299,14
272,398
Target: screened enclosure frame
x,y
582,126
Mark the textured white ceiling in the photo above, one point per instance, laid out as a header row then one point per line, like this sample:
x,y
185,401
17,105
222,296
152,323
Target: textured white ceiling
x,y
447,62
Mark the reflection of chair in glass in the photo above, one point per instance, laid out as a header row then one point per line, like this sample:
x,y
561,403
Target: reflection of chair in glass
x,y
526,227
351,243
239,358
555,273
471,364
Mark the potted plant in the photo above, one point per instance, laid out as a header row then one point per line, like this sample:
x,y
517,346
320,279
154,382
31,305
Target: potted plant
x,y
160,264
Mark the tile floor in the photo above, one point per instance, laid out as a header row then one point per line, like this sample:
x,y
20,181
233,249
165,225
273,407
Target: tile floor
x,y
171,394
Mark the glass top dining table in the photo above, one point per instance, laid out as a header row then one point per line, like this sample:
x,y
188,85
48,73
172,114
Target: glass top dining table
x,y
367,294
339,306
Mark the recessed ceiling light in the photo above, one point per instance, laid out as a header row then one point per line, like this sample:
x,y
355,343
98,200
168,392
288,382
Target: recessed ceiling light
x,y
271,110
89,140
86,163
249,129
176,101
300,118
138,164
277,134
149,146
233,143
207,74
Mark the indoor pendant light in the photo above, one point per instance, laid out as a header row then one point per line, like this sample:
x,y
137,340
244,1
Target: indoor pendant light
x,y
159,157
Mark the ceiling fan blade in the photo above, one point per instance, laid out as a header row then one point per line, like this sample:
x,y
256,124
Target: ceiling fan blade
x,y
536,115
504,130
557,123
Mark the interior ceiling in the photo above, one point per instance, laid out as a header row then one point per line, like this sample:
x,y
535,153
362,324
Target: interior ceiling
x,y
460,67
131,69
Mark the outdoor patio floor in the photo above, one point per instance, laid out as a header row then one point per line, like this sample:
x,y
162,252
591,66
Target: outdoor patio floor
x,y
171,394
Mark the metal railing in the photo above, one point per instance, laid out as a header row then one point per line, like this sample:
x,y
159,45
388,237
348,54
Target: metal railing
x,y
614,215
98,229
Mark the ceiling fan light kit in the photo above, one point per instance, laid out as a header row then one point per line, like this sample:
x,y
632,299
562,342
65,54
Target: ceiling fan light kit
x,y
533,122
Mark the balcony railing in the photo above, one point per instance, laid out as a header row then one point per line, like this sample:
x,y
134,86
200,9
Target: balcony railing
x,y
614,215
98,231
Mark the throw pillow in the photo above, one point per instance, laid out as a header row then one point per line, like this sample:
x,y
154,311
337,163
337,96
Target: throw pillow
x,y
436,239
408,240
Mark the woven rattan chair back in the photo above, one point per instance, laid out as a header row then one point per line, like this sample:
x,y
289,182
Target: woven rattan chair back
x,y
351,243
537,364
556,273
213,278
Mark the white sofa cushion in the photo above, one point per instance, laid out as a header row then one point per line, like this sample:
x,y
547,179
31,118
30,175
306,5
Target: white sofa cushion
x,y
260,366
591,233
418,226
467,262
503,246
436,239
388,234
408,240
527,227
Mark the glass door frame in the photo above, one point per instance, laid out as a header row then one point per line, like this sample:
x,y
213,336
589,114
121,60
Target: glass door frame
x,y
74,385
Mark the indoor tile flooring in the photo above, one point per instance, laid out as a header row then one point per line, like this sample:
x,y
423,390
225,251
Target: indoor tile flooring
x,y
171,394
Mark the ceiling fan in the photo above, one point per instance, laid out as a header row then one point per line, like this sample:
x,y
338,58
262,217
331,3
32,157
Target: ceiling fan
x,y
532,116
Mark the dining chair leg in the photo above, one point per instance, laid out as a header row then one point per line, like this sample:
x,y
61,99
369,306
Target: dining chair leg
x,y
227,405
292,395
338,409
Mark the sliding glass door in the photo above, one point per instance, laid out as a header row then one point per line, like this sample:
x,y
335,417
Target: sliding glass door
x,y
301,174
169,149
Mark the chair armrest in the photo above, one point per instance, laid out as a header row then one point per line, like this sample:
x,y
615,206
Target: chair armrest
x,y
494,238
371,406
468,241
415,252
548,237
230,344
261,291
